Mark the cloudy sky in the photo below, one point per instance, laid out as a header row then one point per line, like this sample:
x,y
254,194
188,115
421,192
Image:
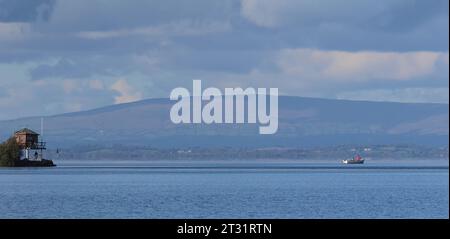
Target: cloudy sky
x,y
68,55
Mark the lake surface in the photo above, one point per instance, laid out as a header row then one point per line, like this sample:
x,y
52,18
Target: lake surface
x,y
227,190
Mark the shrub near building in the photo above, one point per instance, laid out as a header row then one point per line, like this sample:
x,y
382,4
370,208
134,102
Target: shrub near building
x,y
9,152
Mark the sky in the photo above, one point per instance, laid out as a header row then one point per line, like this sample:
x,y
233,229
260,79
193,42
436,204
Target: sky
x,y
61,56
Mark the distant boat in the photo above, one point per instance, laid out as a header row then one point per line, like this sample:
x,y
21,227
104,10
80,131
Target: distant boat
x,y
355,160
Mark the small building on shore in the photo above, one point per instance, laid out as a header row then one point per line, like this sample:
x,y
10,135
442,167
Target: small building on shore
x,y
30,147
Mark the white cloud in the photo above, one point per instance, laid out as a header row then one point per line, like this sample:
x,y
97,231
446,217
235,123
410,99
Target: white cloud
x,y
342,66
126,92
269,13
254,11
13,31
69,86
182,28
96,84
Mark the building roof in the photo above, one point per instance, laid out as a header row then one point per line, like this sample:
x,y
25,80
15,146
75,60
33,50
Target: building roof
x,y
26,131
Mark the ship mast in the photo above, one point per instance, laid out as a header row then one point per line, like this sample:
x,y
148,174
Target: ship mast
x,y
42,135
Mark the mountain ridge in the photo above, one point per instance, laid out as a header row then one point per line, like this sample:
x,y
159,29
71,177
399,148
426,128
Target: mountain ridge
x,y
304,122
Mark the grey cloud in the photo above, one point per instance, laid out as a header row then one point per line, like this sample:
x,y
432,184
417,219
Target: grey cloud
x,y
81,68
25,11
94,15
63,68
3,92
120,43
404,26
367,14
408,14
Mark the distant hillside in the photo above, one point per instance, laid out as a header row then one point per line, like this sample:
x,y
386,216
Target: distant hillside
x,y
304,122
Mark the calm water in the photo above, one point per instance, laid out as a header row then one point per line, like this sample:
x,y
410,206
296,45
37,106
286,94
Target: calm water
x,y
227,190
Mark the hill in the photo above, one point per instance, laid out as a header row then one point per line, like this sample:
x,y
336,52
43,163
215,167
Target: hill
x,y
303,122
